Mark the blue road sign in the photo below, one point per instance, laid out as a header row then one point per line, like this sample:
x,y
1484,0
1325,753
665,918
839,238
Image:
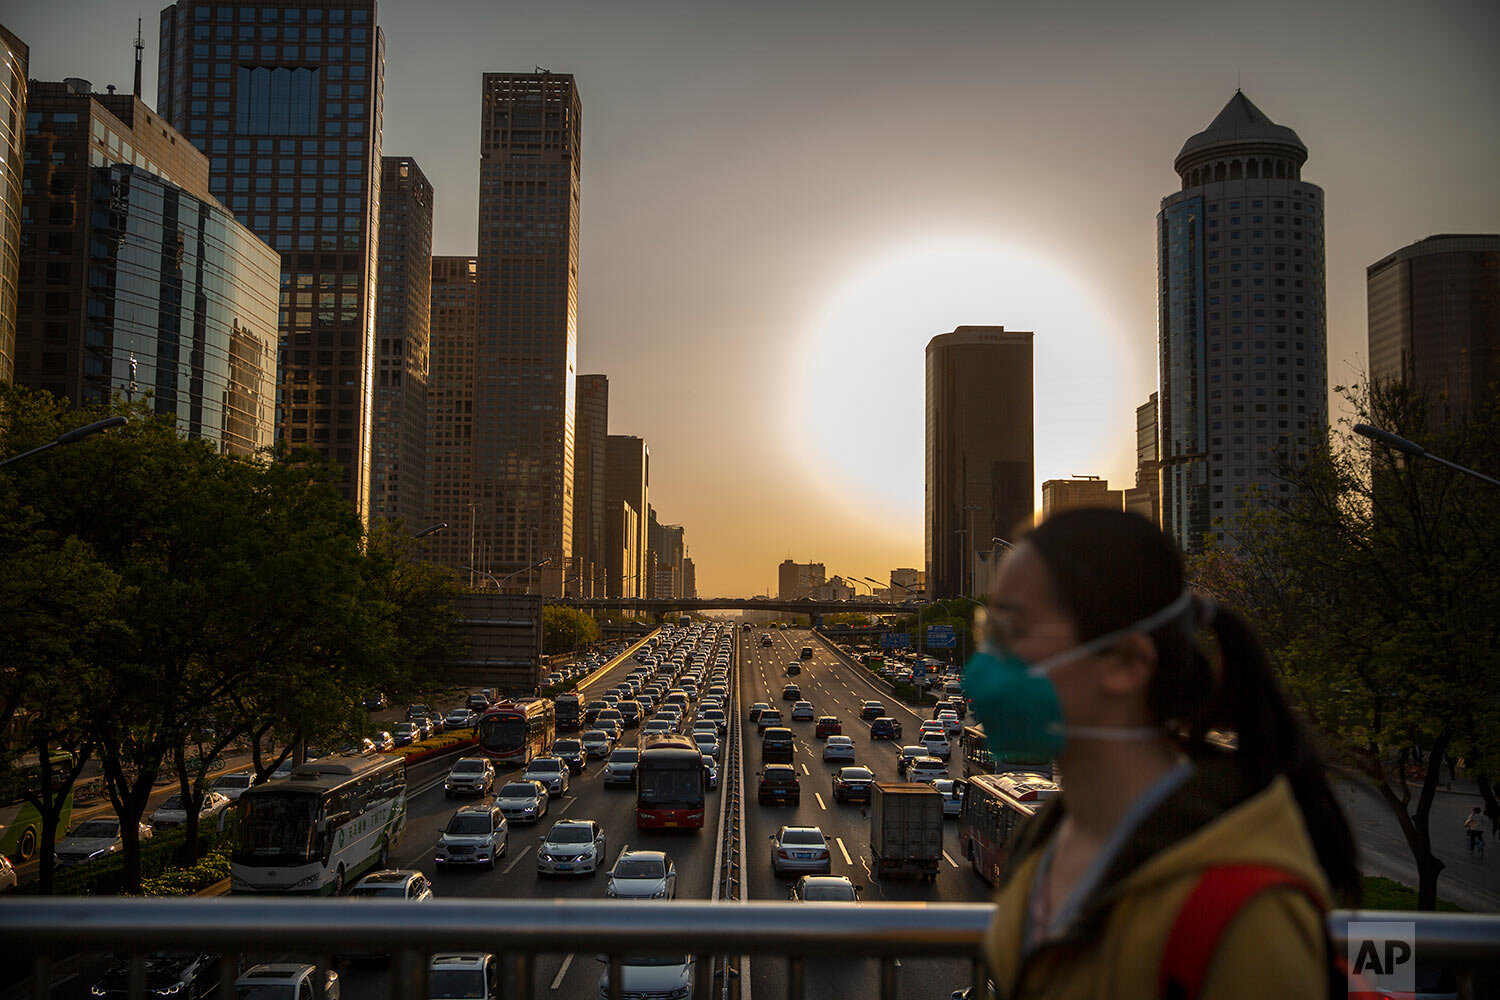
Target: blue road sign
x,y
919,671
895,640
941,637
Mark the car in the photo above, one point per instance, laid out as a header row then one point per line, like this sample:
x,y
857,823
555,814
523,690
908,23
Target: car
x,y
283,981
171,813
423,727
793,669
469,776
407,733
93,838
659,727
463,976
937,745
756,709
800,849
825,889
852,784
770,717
383,740
437,721
870,710
885,728
710,771
477,703
571,752
597,744
777,745
630,713
475,835
953,796
373,702
642,976
951,726
592,709
708,743
778,783
717,717
826,726
619,769
459,718
353,748
8,878
400,883
522,801
838,748
233,784
572,847
791,693
803,712
642,875
551,772
806,652
925,769
906,755
167,974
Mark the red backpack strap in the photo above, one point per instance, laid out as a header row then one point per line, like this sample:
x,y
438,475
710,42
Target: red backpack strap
x,y
1209,908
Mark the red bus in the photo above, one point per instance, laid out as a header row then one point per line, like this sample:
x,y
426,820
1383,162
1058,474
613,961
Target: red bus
x,y
994,804
517,731
979,759
669,784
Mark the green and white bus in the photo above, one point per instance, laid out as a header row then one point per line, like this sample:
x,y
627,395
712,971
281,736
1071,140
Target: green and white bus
x,y
321,827
20,822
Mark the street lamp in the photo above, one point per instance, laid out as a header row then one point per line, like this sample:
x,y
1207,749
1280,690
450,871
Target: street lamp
x,y
432,530
1415,450
68,437
481,572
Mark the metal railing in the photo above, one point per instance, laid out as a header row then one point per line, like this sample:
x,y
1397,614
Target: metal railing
x,y
517,931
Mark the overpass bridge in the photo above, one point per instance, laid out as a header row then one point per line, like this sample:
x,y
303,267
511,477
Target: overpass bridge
x,y
802,606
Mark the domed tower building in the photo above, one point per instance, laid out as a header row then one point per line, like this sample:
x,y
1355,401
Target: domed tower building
x,y
1242,328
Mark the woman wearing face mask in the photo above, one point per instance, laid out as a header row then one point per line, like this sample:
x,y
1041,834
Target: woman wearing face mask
x,y
1167,866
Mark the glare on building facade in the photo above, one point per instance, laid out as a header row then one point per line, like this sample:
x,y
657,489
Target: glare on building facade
x,y
13,82
452,327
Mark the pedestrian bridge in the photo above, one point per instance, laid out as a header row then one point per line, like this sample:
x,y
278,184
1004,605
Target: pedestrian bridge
x,y
801,606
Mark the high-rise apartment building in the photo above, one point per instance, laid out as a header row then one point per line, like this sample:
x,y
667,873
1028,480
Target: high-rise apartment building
x,y
403,307
627,478
622,552
1241,320
1081,491
453,326
286,101
907,584
1434,319
980,451
13,83
1145,498
590,444
529,172
134,278
689,578
796,580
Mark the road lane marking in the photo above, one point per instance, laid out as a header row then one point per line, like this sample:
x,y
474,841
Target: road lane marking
x,y
844,851
519,858
564,807
820,801
806,771
949,860
562,971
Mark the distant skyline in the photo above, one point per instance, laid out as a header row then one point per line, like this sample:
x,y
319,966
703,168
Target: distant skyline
x,y
782,204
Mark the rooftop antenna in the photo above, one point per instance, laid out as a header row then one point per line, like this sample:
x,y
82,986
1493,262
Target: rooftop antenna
x,y
140,46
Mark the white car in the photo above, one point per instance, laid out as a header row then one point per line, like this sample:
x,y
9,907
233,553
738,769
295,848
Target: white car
x,y
710,771
597,744
708,743
475,835
802,711
172,813
552,772
800,849
572,847
394,883
926,769
522,801
232,786
953,796
651,976
93,838
839,748
470,776
283,981
642,875
935,744
462,976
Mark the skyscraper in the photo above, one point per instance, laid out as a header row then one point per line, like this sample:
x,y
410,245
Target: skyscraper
x,y
450,413
13,77
138,279
627,478
529,171
591,431
1145,498
1434,313
1081,491
403,307
1241,323
980,451
794,579
287,103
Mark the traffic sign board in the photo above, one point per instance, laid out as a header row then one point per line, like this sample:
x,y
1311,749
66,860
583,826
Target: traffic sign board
x,y
941,637
895,640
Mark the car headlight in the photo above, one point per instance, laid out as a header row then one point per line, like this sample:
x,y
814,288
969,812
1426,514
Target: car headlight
x,y
96,991
660,893
609,890
172,990
310,880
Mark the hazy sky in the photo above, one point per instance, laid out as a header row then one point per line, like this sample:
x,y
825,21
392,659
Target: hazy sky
x,y
782,203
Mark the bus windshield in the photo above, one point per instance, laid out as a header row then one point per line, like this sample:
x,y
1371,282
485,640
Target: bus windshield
x,y
502,732
672,786
276,829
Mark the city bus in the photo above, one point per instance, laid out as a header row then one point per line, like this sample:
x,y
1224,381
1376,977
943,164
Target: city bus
x,y
319,828
20,821
978,759
993,805
669,784
517,731
568,711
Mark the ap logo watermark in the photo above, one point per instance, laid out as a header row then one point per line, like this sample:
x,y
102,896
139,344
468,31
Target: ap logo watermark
x,y
1382,956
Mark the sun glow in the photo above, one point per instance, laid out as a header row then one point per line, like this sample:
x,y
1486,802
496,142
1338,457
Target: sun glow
x,y
857,401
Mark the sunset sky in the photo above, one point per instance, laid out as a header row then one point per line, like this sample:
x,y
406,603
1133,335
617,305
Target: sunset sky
x,y
783,202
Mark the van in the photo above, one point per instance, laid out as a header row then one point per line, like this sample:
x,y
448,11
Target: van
x,y
776,745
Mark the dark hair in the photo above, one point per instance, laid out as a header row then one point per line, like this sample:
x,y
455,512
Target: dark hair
x,y
1110,569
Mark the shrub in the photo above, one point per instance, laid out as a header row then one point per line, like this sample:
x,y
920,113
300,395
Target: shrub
x,y
212,869
159,854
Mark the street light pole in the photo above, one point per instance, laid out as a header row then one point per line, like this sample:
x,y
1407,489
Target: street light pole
x,y
1415,450
432,530
69,437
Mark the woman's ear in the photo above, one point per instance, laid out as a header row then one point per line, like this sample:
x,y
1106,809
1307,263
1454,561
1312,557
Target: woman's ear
x,y
1131,666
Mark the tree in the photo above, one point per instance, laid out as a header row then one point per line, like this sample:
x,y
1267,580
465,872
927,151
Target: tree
x,y
1373,582
566,629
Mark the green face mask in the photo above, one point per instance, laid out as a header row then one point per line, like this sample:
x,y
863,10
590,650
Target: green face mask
x,y
1017,702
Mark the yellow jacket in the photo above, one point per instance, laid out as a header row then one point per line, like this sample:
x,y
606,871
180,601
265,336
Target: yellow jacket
x,y
1273,948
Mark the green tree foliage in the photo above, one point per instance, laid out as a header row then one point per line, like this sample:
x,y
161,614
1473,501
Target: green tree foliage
x,y
1374,585
566,629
